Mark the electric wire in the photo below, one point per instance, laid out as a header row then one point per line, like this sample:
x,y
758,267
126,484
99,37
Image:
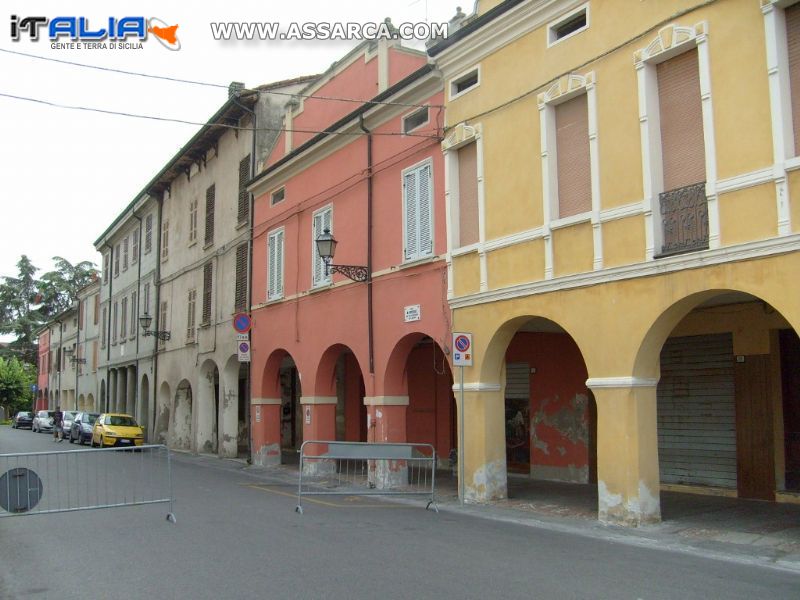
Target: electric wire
x,y
198,123
209,84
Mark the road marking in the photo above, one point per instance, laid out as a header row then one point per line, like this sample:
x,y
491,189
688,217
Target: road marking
x,y
354,500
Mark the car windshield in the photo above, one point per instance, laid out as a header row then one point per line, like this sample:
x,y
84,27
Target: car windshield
x,y
69,415
121,420
24,414
90,418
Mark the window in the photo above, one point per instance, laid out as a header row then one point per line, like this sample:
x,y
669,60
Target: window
x,y
415,119
94,356
125,254
123,327
275,265
133,315
468,232
190,312
104,328
243,208
165,240
210,201
572,157
208,282
465,82
240,290
146,302
792,17
278,195
568,25
681,119
106,266
148,234
323,219
81,310
96,307
116,260
135,246
418,211
162,322
114,324
193,221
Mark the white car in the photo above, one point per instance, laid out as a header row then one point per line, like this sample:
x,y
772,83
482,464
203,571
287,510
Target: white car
x,y
43,421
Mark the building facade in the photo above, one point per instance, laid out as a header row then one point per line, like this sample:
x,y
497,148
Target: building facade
x,y
357,352
43,374
63,333
626,259
86,352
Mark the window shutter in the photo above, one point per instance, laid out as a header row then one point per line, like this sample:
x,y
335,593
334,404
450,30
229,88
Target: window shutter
x,y
148,234
272,275
116,260
190,312
165,239
162,321
279,264
240,292
123,328
133,315
682,146
210,201
104,328
243,209
468,195
114,324
125,254
207,285
135,246
322,221
792,14
147,298
425,211
411,193
192,220
572,150
96,308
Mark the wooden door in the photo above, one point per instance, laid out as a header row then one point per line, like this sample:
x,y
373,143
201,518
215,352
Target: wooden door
x,y
754,428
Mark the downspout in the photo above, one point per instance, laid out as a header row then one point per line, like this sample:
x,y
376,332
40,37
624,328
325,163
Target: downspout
x,y
135,310
370,335
76,354
157,316
251,202
108,325
60,360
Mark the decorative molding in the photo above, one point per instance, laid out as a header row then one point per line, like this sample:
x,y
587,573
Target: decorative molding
x,y
667,41
265,401
478,386
585,217
740,182
460,135
318,400
385,400
662,266
515,238
621,212
565,88
595,383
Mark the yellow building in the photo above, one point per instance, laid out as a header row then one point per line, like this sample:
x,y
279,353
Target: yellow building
x,y
623,197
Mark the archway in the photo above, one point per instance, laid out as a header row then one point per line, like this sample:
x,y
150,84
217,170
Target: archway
x,y
102,407
232,410
181,431
208,408
81,402
339,376
90,407
143,415
163,412
728,400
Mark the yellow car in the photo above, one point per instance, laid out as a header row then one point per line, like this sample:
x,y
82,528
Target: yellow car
x,y
116,429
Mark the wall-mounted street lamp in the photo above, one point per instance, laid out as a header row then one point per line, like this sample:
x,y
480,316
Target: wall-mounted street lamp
x,y
145,321
70,352
326,246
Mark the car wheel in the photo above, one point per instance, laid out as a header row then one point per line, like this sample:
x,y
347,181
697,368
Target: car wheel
x,y
71,439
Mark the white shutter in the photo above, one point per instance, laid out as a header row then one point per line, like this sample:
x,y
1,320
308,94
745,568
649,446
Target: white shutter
x,y
410,194
318,267
425,244
279,263
271,286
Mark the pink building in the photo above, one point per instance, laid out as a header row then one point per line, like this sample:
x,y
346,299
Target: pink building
x,y
334,358
42,381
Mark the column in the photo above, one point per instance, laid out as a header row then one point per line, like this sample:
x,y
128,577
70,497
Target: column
x,y
628,484
120,400
319,423
386,423
265,430
130,392
111,399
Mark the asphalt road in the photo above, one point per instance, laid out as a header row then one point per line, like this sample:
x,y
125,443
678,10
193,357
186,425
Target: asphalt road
x,y
237,536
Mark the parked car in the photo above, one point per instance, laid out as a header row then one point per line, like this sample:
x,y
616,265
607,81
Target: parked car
x,y
116,429
23,418
66,424
43,421
81,429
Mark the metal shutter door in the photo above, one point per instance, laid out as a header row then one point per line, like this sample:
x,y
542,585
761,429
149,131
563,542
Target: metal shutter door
x,y
697,411
518,381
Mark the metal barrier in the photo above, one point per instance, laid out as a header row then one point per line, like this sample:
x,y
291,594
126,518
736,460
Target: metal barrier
x,y
54,482
363,469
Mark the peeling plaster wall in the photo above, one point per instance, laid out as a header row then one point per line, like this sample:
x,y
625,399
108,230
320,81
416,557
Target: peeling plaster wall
x,y
559,423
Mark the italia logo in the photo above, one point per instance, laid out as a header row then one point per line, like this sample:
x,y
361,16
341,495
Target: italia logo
x,y
112,29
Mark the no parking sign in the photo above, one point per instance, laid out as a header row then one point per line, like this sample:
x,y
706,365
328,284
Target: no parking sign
x,y
462,349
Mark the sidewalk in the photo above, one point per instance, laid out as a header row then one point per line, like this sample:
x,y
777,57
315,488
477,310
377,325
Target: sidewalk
x,y
746,531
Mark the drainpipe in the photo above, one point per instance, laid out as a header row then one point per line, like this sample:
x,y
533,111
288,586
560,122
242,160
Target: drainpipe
x,y
369,246
135,309
60,359
108,323
251,202
77,351
157,316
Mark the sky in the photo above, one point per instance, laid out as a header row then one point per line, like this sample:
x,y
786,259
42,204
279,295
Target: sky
x,y
67,174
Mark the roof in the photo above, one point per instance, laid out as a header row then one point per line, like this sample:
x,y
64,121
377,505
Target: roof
x,y
472,26
228,114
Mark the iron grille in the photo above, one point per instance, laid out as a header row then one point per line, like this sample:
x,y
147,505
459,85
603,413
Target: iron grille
x,y
684,216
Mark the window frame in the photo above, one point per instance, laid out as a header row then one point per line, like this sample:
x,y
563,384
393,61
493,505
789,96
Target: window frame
x,y
325,281
420,255
554,25
278,233
413,113
453,82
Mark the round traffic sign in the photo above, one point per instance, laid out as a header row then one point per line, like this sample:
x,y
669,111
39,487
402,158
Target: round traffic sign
x,y
462,343
244,347
242,322
20,490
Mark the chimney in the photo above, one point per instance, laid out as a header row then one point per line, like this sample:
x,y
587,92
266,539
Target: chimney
x,y
235,89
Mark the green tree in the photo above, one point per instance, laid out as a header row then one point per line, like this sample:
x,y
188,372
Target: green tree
x,y
16,379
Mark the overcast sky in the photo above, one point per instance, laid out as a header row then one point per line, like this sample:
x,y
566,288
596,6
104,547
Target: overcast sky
x,y
66,174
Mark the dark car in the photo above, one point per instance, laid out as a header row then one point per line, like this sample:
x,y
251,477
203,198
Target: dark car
x,y
23,418
81,430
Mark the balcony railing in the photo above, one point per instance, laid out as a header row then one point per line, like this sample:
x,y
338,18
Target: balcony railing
x,y
684,217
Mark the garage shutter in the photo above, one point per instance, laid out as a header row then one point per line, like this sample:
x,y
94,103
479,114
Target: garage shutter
x,y
696,411
518,381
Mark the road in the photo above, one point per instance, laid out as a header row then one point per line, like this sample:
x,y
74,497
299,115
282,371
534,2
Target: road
x,y
237,536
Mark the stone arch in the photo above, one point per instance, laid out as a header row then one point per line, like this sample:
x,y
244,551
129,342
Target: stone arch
x,y
90,407
208,403
102,407
181,430
81,402
230,417
143,415
163,413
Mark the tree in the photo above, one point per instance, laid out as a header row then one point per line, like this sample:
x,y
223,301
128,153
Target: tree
x,y
16,379
27,303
